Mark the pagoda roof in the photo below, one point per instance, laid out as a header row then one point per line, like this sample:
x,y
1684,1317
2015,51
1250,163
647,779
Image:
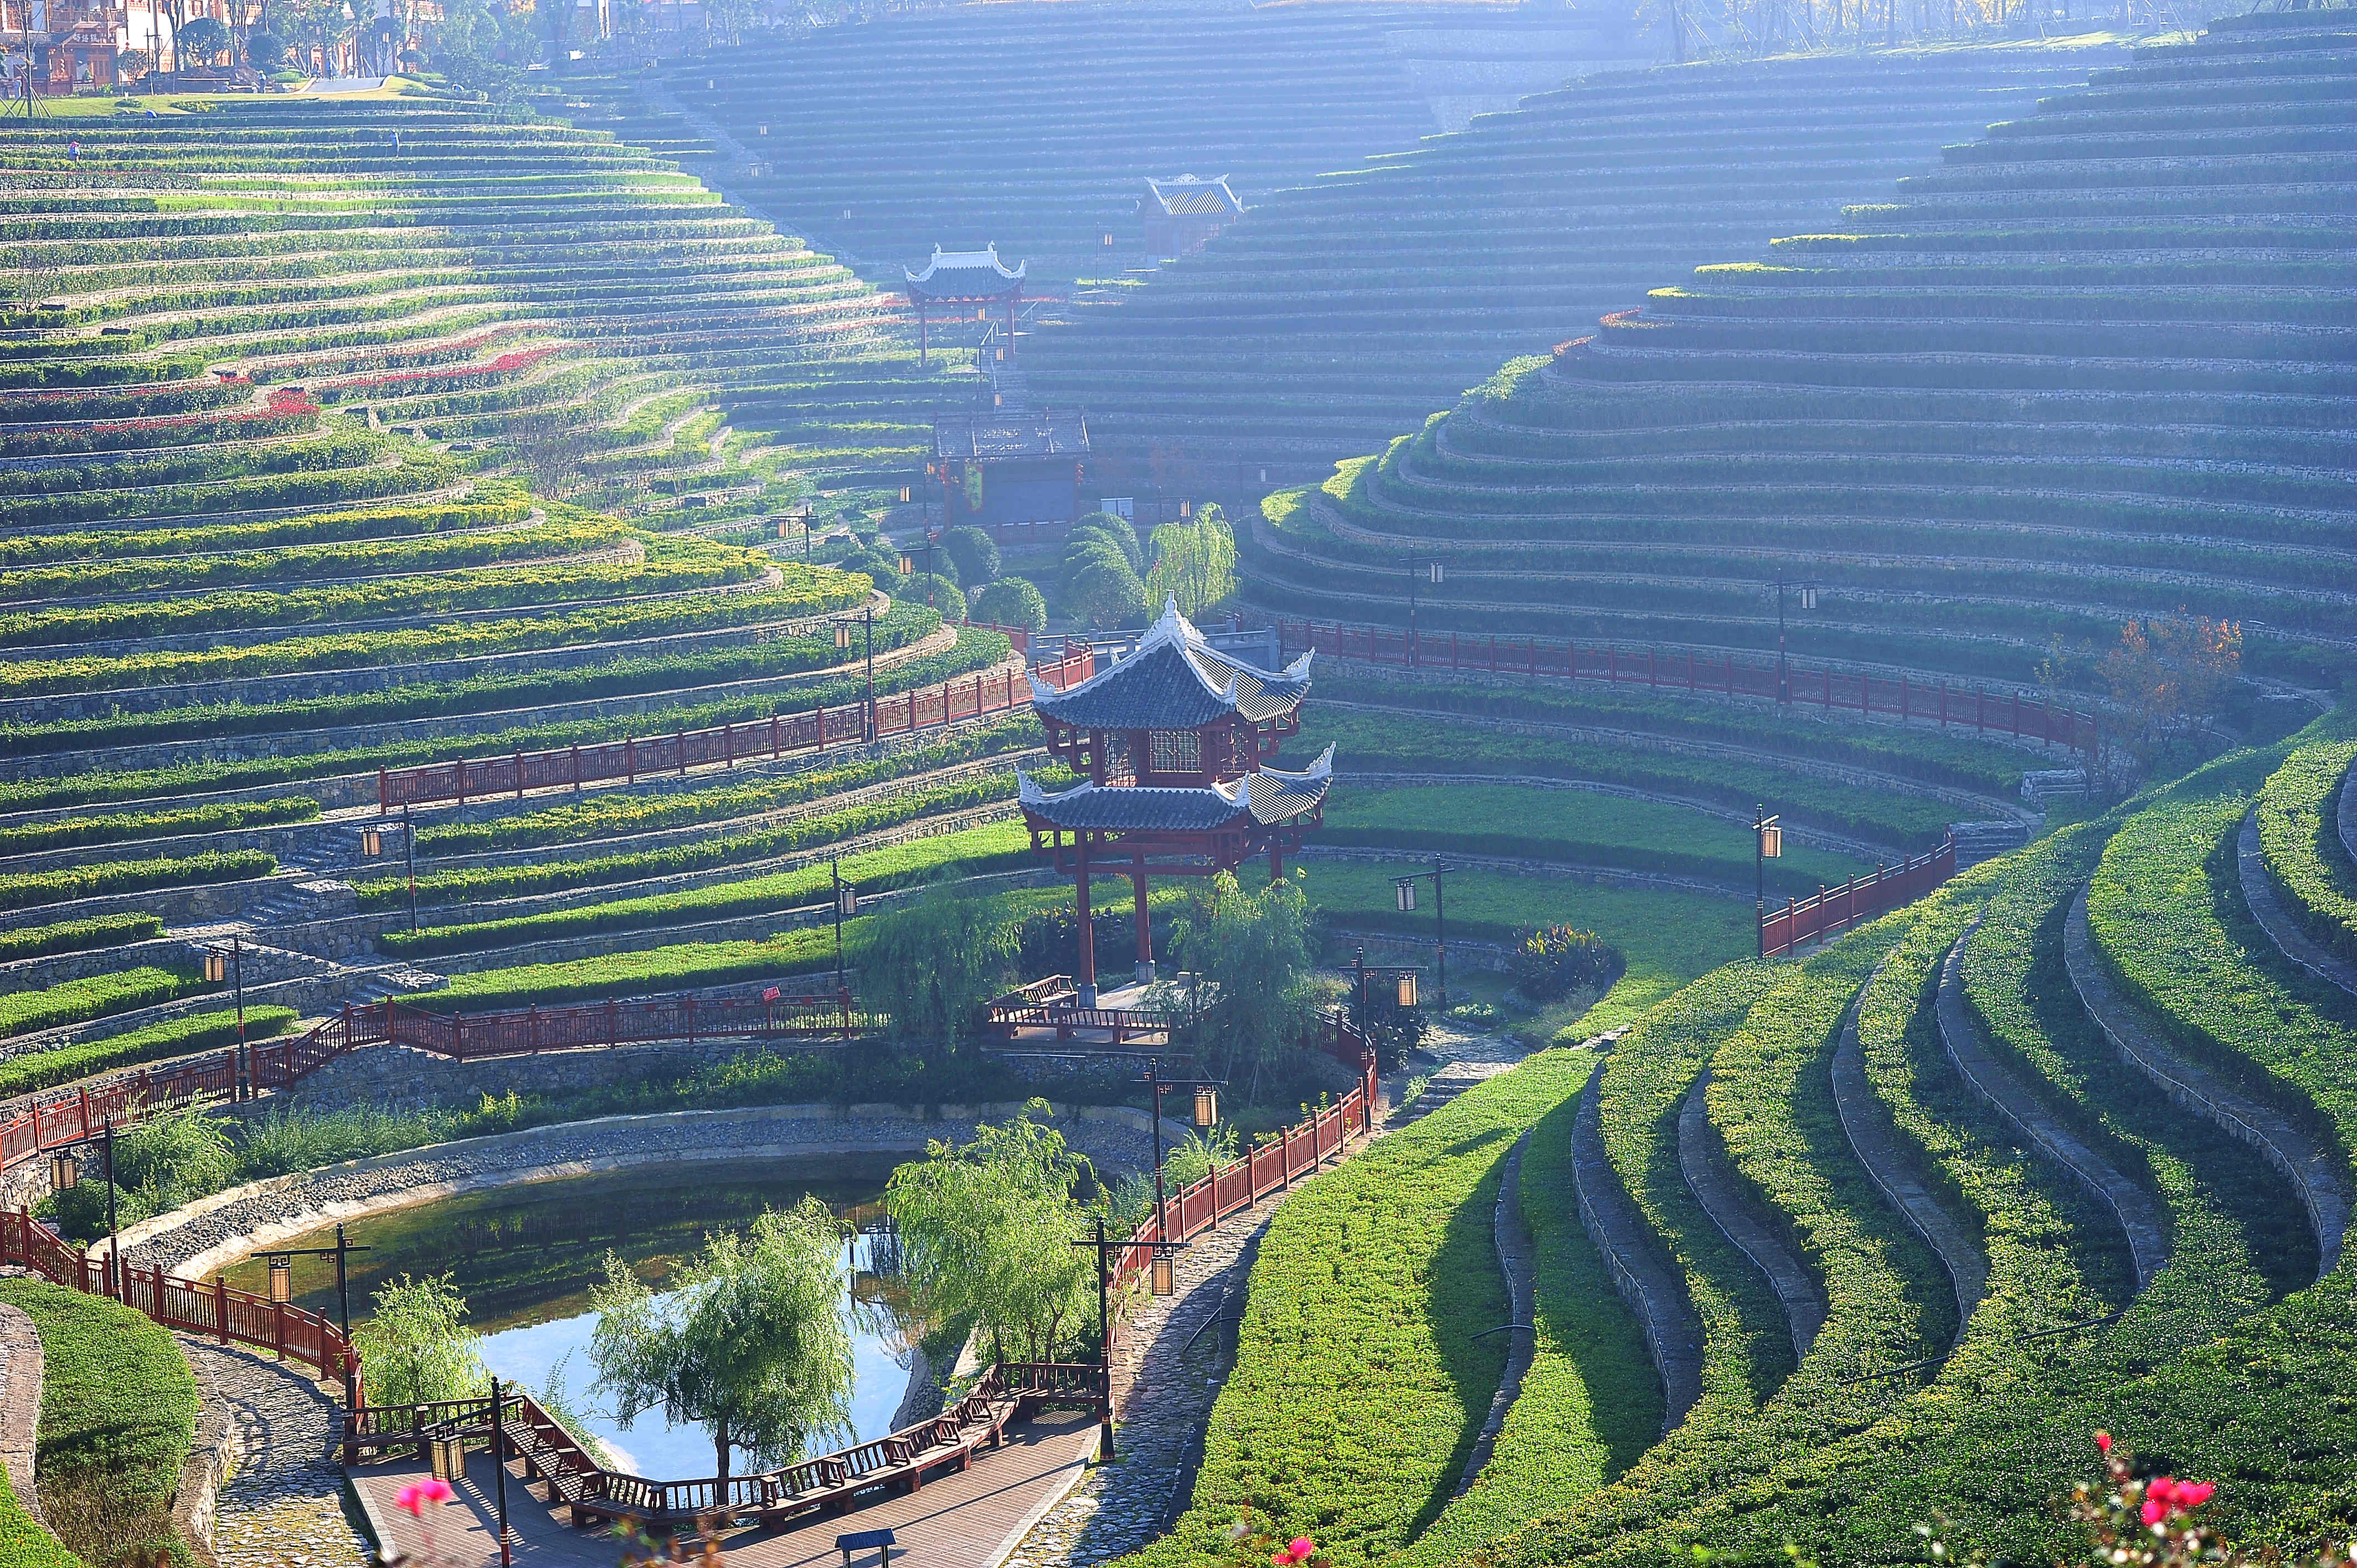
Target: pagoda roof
x,y
1263,798
1174,679
1187,197
967,273
1041,434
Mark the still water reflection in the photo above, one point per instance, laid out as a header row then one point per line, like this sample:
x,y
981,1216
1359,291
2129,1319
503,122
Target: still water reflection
x,y
525,1257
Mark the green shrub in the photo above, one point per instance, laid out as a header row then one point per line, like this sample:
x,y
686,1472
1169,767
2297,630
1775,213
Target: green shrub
x,y
1552,961
1359,1381
78,936
23,889
1010,601
226,817
2299,836
974,556
92,997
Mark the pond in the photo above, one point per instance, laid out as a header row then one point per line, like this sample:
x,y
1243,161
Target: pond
x,y
525,1257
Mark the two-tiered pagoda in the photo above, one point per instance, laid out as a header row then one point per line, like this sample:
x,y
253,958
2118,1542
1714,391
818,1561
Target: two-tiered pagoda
x,y
1173,744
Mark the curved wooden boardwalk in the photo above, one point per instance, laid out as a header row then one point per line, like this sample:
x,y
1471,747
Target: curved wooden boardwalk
x,y
968,1519
2265,903
1702,1159
2312,1170
1647,1283
1875,1138
1515,1261
2138,1211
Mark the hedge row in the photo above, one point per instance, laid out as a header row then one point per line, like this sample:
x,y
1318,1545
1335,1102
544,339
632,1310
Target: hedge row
x,y
177,1037
221,816
2299,834
495,502
78,936
1359,1382
22,889
92,996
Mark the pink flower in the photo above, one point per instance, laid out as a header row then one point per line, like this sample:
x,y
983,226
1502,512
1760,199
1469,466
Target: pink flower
x,y
2103,1443
2152,1511
417,1494
2194,1493
1300,1549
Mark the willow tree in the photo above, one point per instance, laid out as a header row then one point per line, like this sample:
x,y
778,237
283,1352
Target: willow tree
x,y
751,1342
986,1230
1194,563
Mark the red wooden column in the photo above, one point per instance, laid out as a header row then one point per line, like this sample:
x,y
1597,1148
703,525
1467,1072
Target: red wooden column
x,y
1144,931
1085,971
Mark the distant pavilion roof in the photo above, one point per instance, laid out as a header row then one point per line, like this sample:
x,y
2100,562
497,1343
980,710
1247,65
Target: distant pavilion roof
x,y
966,274
1041,434
1262,798
1187,197
1174,679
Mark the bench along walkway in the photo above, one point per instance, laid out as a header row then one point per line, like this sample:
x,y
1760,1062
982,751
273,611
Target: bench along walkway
x,y
967,1519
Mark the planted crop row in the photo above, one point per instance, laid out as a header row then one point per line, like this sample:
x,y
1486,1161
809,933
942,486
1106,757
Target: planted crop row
x,y
623,676
23,889
1358,1380
614,813
1574,826
1002,846
2299,834
92,997
469,883
495,503
976,649
222,817
78,936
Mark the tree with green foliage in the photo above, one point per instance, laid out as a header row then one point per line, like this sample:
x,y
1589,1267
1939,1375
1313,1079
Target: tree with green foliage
x,y
934,960
937,591
973,552
417,1347
986,1228
202,41
1253,951
750,1343
1010,601
1194,563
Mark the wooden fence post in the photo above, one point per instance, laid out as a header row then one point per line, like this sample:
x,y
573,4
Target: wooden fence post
x,y
220,1308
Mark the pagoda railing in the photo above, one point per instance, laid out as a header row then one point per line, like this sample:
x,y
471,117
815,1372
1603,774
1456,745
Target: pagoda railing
x,y
1683,669
725,746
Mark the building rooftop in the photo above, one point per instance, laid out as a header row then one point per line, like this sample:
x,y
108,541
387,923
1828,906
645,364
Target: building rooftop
x,y
1187,197
1043,433
1174,679
1263,798
965,273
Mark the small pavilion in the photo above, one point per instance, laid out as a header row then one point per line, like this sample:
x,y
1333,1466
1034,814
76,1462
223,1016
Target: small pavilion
x,y
1172,744
1183,215
955,280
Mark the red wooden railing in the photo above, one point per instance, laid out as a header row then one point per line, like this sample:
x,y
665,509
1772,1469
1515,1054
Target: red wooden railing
x,y
214,1311
637,756
1859,898
1984,713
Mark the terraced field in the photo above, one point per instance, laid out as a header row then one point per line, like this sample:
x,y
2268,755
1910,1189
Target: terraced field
x,y
2091,368
1347,309
1037,127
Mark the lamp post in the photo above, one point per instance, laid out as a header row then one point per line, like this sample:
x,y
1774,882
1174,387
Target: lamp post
x,y
1207,1111
1404,894
906,564
373,846
282,1275
1807,594
65,1175
1432,572
230,965
499,1477
846,903
842,645
1767,845
1105,1249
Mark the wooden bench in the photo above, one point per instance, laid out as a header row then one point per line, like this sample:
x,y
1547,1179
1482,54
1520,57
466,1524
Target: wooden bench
x,y
880,1540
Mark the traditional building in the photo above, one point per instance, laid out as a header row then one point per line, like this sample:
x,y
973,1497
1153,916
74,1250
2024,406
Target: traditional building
x,y
1173,746
1015,475
1181,215
955,280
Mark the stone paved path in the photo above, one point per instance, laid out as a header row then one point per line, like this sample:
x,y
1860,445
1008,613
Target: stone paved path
x,y
282,1505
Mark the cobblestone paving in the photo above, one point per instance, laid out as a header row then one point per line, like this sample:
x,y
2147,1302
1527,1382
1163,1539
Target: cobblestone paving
x,y
283,1504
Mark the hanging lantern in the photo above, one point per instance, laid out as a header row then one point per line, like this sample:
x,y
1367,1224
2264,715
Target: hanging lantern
x,y
216,966
847,900
1406,891
1439,572
842,635
372,843
1165,1277
782,531
1407,988
1772,841
1808,595
282,1278
1108,239
65,1171
904,492
907,566
1207,1105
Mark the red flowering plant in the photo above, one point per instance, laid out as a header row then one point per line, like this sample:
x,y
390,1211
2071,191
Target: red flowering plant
x,y
1251,1544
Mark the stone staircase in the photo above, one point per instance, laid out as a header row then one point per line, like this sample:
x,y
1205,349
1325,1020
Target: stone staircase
x,y
1977,842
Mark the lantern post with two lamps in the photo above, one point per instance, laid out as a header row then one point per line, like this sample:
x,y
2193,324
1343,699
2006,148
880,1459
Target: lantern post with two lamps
x,y
842,645
907,565
1206,1093
1767,845
1807,594
65,1175
230,966
1404,896
846,904
282,1276
1107,1249
1434,573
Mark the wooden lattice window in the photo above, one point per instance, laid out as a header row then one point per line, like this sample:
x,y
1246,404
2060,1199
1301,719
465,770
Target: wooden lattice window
x,y
1177,751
